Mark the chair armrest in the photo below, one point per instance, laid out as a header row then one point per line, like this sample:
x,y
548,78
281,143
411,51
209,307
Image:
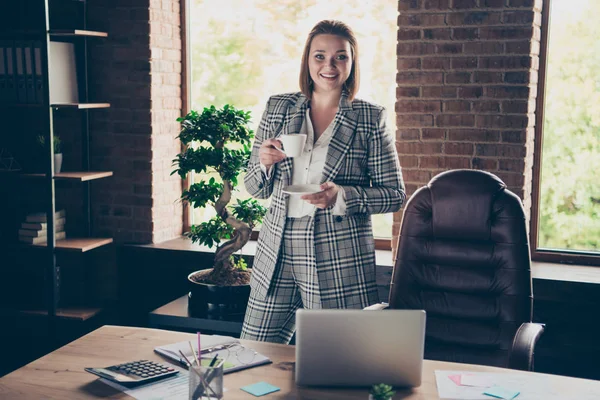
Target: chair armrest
x,y
377,307
521,355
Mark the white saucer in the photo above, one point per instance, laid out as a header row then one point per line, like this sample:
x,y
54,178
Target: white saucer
x,y
302,189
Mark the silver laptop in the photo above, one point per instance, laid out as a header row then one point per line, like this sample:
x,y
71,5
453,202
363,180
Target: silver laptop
x,y
359,347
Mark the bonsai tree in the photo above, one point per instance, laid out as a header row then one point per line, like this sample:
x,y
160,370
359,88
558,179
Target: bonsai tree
x,y
222,146
381,392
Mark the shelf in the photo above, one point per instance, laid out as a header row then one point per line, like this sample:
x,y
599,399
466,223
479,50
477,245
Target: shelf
x,y
75,176
79,245
76,33
80,106
67,313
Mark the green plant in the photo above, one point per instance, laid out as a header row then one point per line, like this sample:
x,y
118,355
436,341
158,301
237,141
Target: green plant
x,y
222,141
55,141
381,392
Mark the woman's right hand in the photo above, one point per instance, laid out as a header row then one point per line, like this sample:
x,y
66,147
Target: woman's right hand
x,y
269,153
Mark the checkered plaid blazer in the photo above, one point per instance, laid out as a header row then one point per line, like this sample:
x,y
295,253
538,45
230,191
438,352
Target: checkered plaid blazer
x,y
361,159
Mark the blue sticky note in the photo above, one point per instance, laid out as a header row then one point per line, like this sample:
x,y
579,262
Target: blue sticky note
x,y
260,389
501,393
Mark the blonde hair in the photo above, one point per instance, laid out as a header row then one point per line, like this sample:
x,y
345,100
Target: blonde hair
x,y
338,28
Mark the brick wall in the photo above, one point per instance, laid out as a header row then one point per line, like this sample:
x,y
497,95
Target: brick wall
x,y
137,69
467,83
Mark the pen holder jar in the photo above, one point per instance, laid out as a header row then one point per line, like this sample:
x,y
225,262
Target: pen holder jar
x,y
206,382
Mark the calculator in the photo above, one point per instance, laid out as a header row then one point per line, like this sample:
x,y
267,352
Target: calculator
x,y
135,372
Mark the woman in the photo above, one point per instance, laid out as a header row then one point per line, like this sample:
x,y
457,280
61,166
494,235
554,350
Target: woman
x,y
317,250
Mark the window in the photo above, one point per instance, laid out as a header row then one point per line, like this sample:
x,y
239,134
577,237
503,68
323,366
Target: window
x,y
243,51
566,225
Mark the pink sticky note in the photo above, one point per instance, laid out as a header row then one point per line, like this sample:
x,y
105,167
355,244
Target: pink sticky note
x,y
475,380
455,379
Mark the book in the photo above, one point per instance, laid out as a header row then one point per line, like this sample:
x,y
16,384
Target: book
x,y
59,225
41,216
236,356
39,232
41,240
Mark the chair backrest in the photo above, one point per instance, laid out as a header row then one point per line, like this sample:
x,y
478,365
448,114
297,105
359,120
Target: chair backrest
x,y
463,256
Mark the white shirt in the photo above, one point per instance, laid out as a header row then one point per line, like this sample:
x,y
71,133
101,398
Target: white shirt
x,y
308,169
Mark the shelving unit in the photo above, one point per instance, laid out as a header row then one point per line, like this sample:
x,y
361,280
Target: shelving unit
x,y
33,27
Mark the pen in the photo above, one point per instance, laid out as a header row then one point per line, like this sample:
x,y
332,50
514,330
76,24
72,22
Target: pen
x,y
211,373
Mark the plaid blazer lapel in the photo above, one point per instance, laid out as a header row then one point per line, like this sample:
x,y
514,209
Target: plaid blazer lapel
x,y
292,125
344,129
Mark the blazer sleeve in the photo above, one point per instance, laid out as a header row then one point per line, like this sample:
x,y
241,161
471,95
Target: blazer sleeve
x,y
386,193
257,183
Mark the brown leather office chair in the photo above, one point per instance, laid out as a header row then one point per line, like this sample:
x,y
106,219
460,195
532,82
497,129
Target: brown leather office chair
x,y
463,257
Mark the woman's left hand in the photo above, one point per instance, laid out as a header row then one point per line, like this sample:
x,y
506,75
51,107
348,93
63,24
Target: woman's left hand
x,y
325,198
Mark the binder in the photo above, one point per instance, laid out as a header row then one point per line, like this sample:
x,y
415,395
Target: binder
x,y
29,77
20,73
3,94
63,73
38,78
11,83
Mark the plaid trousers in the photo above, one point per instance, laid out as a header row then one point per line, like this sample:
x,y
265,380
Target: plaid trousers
x,y
294,285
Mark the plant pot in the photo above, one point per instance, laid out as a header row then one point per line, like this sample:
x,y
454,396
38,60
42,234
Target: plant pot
x,y
58,163
216,301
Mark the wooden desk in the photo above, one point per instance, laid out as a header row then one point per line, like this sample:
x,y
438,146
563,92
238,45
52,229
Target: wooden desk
x,y
60,374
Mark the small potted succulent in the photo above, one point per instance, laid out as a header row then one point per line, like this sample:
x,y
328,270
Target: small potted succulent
x,y
58,157
381,392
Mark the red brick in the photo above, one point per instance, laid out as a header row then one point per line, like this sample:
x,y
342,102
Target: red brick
x,y
418,106
412,120
412,148
409,134
468,92
448,48
409,34
482,48
405,5
488,77
408,63
465,33
432,162
416,175
500,150
501,121
515,106
513,165
436,4
407,92
486,106
507,92
473,135
514,136
409,161
433,134
521,3
493,3
457,162
464,62
458,4
504,62
458,77
488,33
414,49
421,20
485,164
512,179
522,17
457,106
437,34
517,77
458,148
444,120
474,18
436,63
437,92
423,78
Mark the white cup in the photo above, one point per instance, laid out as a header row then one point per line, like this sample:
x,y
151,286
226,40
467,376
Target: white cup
x,y
293,145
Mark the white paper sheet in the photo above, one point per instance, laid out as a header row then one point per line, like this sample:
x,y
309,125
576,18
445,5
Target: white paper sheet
x,y
532,387
172,388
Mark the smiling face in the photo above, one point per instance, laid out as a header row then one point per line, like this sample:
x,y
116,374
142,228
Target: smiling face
x,y
329,62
